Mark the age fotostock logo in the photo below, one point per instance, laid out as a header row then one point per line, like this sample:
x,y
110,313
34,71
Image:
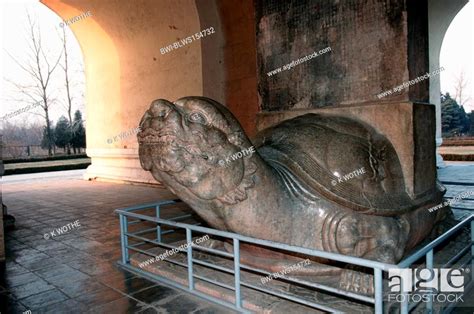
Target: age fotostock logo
x,y
438,284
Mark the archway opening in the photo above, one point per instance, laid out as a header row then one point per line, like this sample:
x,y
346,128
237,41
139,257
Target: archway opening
x,y
43,105
456,104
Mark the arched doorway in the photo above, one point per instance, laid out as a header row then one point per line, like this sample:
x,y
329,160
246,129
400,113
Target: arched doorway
x,y
43,85
440,15
126,70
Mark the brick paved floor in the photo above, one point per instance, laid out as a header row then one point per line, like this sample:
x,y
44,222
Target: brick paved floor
x,y
76,272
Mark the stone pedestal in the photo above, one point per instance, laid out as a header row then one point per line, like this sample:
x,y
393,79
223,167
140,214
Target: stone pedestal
x,y
374,47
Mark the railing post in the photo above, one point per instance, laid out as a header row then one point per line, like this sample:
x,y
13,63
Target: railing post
x,y
378,293
189,240
429,265
238,300
158,226
404,303
472,250
123,238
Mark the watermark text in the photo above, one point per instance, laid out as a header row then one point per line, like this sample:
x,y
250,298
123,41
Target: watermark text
x,y
349,176
62,230
169,253
299,61
285,271
409,83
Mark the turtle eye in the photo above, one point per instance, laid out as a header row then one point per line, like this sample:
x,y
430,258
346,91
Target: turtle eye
x,y
197,117
163,113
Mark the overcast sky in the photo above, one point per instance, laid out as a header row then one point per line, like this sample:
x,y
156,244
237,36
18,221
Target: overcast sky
x,y
457,53
15,40
456,56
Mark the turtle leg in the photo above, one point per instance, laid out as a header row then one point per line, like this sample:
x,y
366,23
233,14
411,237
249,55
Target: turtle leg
x,y
361,280
378,238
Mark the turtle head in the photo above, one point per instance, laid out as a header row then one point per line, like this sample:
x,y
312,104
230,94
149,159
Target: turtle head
x,y
188,141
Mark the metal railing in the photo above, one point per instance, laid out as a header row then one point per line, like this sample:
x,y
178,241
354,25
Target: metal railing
x,y
378,268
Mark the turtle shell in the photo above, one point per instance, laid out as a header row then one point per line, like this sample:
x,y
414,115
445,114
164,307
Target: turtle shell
x,y
341,159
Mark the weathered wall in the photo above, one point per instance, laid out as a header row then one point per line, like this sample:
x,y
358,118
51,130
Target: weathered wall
x,y
376,45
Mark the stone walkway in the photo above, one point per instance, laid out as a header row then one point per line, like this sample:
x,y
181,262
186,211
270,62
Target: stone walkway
x,y
76,272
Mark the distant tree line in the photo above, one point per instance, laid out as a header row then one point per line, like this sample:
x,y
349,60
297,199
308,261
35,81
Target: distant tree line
x,y
66,136
454,119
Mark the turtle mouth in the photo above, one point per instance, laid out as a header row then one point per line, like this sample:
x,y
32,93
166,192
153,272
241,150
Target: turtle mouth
x,y
150,136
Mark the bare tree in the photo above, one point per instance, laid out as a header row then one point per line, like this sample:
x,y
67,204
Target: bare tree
x,y
72,86
40,70
461,84
68,91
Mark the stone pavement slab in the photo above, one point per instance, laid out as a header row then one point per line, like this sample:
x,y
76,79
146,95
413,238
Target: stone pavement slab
x,y
76,272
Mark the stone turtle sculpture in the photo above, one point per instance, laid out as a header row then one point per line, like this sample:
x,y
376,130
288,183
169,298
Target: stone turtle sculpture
x,y
286,191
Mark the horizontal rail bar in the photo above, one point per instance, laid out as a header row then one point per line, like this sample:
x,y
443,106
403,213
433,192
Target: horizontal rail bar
x,y
150,254
177,248
463,265
149,205
156,242
167,231
463,199
220,284
458,183
133,222
138,244
209,250
172,219
456,257
312,252
462,208
179,217
223,269
162,232
422,252
145,231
